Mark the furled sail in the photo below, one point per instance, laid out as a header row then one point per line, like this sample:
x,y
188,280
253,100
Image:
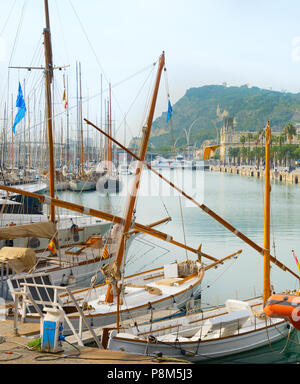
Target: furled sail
x,y
45,230
20,259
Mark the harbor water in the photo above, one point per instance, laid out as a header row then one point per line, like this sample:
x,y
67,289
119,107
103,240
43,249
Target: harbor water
x,y
239,200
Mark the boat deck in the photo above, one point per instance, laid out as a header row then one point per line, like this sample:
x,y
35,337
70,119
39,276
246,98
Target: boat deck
x,y
67,259
139,290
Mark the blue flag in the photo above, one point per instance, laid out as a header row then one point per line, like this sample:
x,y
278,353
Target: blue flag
x,y
20,104
170,111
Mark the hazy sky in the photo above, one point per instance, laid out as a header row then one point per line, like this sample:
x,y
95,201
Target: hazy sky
x,y
205,41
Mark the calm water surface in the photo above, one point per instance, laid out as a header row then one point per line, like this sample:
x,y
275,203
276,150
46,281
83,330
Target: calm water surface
x,y
239,200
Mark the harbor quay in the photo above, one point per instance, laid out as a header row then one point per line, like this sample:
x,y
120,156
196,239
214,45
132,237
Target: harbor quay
x,y
15,349
280,175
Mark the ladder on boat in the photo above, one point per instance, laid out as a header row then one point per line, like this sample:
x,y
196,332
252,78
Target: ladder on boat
x,y
35,293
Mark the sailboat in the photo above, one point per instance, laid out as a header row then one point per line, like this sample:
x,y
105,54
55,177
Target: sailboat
x,y
171,284
110,181
82,182
233,330
36,230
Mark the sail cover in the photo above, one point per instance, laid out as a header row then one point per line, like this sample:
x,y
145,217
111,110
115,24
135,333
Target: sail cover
x,y
44,230
19,259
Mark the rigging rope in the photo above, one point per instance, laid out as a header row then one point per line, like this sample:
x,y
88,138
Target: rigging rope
x,y
269,341
8,17
96,57
221,274
176,170
18,32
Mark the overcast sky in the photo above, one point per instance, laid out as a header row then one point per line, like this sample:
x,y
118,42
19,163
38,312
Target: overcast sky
x,y
205,41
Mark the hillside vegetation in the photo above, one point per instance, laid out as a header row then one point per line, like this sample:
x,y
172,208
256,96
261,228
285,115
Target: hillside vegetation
x,y
250,107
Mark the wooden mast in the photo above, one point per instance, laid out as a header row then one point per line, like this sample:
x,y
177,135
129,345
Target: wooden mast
x,y
48,78
137,177
266,281
68,137
61,143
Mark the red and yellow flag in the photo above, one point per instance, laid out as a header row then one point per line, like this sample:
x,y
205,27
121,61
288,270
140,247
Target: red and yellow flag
x,y
52,247
105,253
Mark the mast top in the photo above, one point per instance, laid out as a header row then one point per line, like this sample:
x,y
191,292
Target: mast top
x,y
47,15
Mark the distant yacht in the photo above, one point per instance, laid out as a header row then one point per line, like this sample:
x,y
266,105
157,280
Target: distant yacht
x,y
178,163
162,163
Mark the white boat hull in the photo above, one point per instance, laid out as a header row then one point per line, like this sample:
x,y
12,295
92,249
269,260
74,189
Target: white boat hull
x,y
204,350
138,302
82,185
61,185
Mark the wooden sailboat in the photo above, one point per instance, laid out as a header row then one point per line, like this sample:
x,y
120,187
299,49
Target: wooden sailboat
x,y
159,287
137,278
171,284
37,232
230,330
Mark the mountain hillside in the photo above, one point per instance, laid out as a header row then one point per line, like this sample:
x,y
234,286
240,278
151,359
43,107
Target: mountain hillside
x,y
204,108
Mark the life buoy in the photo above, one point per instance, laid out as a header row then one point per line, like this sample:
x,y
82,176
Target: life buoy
x,y
284,307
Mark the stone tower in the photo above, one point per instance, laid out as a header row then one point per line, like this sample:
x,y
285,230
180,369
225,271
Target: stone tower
x,y
226,138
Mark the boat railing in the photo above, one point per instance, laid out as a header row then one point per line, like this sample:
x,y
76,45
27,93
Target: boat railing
x,y
47,297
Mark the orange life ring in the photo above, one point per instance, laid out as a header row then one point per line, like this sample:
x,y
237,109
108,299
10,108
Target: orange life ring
x,y
284,307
